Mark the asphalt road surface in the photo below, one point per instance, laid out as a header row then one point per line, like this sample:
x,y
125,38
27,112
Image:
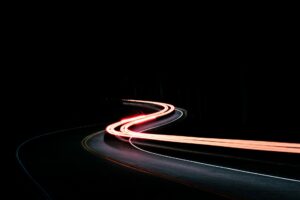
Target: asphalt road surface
x,y
59,167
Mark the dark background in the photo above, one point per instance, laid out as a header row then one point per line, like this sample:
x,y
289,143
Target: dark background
x,y
65,86
236,80
236,73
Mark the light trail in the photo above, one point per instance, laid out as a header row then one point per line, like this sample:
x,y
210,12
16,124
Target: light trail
x,y
122,128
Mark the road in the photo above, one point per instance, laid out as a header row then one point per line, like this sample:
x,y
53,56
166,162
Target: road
x,y
63,169
226,182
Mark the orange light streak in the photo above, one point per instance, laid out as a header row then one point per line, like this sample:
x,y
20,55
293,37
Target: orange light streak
x,y
124,131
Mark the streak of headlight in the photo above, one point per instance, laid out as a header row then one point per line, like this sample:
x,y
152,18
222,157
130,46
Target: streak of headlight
x,y
122,128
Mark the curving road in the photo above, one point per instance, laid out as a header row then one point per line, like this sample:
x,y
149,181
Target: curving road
x,y
226,182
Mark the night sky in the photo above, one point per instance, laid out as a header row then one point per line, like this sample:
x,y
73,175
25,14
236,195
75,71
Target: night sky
x,y
228,80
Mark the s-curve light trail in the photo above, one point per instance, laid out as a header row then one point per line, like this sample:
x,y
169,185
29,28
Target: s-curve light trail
x,y
123,129
242,182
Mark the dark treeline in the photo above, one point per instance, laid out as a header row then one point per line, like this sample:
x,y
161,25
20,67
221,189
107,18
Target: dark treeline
x,y
259,100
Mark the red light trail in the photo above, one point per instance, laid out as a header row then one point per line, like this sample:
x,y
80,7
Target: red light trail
x,y
122,128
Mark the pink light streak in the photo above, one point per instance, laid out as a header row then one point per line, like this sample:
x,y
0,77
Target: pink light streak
x,y
122,128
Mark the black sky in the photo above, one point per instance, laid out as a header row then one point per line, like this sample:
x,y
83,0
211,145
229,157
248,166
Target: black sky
x,y
245,80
